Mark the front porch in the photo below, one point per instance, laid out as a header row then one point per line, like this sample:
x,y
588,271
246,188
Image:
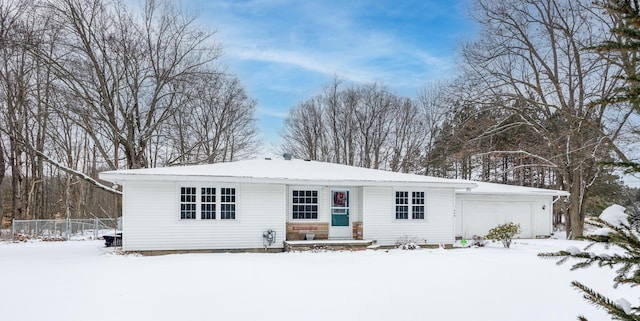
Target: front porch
x,y
315,236
327,245
300,231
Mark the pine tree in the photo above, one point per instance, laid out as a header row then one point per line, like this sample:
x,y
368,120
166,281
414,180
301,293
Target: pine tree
x,y
624,50
622,235
624,47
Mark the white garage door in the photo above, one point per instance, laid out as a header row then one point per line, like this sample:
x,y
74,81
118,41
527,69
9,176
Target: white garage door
x,y
478,217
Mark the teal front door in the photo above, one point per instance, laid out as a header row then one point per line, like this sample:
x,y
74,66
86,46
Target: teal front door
x,y
340,217
340,214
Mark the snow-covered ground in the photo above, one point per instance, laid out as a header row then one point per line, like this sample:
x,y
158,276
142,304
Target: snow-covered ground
x,y
82,280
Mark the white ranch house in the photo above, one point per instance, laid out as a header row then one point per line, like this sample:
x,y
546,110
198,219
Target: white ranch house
x,y
253,204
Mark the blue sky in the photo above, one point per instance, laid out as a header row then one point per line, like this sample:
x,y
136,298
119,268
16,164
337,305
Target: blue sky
x,y
284,51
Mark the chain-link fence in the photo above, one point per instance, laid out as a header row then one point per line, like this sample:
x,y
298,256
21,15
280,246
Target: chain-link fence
x,y
63,229
5,234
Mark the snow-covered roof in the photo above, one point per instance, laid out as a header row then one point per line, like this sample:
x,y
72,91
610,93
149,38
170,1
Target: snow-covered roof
x,y
493,188
282,171
296,171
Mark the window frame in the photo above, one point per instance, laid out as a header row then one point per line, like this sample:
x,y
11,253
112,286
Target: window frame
x,y
414,205
292,203
228,201
188,203
417,202
211,212
215,202
402,207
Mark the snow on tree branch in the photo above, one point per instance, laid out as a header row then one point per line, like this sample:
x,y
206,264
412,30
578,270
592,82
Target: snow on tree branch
x,y
78,173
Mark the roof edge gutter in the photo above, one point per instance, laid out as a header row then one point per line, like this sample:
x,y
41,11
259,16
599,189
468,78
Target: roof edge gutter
x,y
119,179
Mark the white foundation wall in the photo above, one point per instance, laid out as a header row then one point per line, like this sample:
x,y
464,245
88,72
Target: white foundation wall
x,y
151,218
380,224
477,214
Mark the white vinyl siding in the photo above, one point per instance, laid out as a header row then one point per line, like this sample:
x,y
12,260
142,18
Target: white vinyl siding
x,y
359,205
380,222
150,221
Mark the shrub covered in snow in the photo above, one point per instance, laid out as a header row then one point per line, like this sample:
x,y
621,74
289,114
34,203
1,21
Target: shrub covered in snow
x,y
478,241
504,233
614,215
409,246
475,241
407,243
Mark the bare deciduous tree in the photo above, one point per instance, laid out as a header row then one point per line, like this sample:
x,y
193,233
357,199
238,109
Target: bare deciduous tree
x,y
434,103
532,55
215,125
305,133
86,84
126,87
365,126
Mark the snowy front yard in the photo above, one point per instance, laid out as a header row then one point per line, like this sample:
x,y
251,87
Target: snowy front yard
x,y
85,281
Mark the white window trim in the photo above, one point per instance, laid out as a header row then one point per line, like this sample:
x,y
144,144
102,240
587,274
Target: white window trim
x,y
218,202
409,205
290,206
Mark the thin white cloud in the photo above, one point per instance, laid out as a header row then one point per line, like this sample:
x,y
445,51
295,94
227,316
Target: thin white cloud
x,y
324,63
326,40
272,113
285,50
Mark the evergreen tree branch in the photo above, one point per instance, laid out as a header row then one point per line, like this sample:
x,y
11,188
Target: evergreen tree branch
x,y
612,308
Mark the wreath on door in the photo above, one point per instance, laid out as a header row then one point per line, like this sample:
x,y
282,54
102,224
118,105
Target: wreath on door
x,y
339,198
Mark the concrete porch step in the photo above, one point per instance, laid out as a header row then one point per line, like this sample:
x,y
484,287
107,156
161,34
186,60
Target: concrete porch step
x,y
327,245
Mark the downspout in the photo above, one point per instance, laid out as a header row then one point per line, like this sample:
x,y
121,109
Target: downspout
x,y
454,217
555,199
285,200
363,211
455,196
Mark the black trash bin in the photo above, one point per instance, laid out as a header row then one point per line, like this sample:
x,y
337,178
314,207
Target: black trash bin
x,y
113,240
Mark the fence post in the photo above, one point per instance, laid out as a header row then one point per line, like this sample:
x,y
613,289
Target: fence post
x,y
68,228
13,228
95,228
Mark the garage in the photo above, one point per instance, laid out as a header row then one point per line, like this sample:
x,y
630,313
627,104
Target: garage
x,y
482,208
480,216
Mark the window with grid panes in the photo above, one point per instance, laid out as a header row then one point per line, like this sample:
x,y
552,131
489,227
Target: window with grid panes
x,y
188,203
305,204
410,205
417,207
208,203
402,205
228,203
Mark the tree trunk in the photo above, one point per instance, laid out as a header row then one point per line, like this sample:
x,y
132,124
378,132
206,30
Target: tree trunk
x,y
575,212
2,173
